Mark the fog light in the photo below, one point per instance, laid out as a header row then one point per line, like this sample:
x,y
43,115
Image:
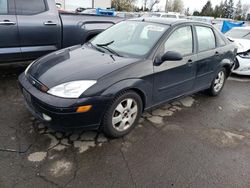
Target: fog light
x,y
46,117
82,109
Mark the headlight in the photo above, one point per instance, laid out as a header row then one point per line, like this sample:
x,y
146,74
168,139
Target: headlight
x,y
27,69
245,54
72,89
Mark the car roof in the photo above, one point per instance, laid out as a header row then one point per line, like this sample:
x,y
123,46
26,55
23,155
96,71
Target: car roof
x,y
168,21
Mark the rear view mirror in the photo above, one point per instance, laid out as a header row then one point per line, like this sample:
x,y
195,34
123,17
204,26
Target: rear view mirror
x,y
169,56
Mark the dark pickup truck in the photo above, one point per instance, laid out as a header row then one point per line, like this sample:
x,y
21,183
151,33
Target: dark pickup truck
x,y
32,28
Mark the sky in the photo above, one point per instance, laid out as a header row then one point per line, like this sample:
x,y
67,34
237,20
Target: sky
x,y
194,4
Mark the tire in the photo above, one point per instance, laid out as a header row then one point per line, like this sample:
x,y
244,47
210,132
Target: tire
x,y
218,83
122,115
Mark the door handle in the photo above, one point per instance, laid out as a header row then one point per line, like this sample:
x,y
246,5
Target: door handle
x,y
190,62
7,22
49,23
217,53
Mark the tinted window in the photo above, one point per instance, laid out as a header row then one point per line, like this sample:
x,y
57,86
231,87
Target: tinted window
x,y
3,6
206,38
29,7
220,40
181,40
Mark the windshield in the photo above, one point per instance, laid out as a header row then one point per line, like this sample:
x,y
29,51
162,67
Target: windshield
x,y
130,38
238,33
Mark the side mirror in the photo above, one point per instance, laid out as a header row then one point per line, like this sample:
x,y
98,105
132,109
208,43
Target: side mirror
x,y
169,56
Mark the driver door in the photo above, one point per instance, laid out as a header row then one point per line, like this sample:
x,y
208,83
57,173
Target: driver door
x,y
175,78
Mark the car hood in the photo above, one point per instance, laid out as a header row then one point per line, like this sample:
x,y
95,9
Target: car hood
x,y
243,44
76,63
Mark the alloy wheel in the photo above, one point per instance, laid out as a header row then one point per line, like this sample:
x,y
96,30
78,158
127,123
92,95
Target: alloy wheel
x,y
125,114
219,81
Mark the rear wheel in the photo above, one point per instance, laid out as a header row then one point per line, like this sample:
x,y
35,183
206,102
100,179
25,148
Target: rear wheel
x,y
218,83
122,115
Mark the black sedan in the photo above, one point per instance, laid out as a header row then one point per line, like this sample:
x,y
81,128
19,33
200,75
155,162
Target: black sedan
x,y
131,67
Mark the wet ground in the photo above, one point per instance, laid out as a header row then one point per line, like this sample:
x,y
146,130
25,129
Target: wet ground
x,y
197,141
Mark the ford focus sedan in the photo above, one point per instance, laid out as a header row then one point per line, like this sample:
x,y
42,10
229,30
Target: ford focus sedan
x,y
131,67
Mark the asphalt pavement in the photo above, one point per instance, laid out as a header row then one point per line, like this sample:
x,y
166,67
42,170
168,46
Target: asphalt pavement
x,y
197,141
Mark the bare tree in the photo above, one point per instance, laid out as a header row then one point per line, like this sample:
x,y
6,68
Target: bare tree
x,y
145,4
178,6
123,5
245,9
168,6
174,6
153,3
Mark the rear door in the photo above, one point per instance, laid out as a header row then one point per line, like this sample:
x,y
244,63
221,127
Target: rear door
x,y
209,56
9,41
175,78
39,27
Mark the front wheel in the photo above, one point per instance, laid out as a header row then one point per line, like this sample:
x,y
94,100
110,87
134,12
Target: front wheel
x,y
122,115
218,83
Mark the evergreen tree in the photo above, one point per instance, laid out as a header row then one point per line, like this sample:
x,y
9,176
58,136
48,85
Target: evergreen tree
x,y
217,11
238,11
226,9
221,9
196,13
230,9
207,10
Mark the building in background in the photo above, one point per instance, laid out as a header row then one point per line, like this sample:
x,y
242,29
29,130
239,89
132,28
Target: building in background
x,y
72,5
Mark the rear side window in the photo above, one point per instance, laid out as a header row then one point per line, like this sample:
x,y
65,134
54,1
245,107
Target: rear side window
x,y
206,38
29,7
3,6
220,40
181,40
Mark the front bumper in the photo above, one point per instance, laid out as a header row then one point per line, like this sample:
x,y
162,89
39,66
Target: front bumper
x,y
244,66
63,111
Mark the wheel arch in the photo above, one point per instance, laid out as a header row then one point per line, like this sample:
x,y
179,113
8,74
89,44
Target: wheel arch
x,y
227,64
228,69
142,88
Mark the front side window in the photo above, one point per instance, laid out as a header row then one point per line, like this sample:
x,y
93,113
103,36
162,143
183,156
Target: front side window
x,y
29,7
181,40
3,6
206,38
131,37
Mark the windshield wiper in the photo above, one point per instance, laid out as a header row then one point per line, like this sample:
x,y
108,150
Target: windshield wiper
x,y
93,46
105,46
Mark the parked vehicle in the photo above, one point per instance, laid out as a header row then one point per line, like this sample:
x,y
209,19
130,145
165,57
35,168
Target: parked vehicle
x,y
127,15
241,36
30,29
175,15
206,19
108,82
